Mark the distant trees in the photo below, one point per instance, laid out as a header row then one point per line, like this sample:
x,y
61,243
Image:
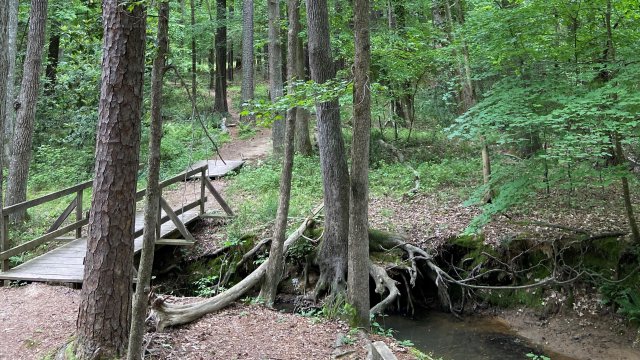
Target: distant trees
x,y
276,87
248,60
26,111
105,308
220,101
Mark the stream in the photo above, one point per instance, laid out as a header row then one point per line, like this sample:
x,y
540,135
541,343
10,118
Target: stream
x,y
473,338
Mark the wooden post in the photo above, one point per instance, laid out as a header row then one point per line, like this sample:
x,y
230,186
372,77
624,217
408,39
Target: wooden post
x,y
203,174
79,212
159,220
4,240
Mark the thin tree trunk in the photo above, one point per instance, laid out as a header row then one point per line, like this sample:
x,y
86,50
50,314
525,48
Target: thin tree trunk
x,y
247,56
53,55
358,269
9,118
626,193
212,68
26,114
220,101
276,257
194,55
4,74
302,138
105,308
275,71
332,254
230,48
152,200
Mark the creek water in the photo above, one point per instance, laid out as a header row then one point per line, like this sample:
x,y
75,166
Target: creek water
x,y
473,338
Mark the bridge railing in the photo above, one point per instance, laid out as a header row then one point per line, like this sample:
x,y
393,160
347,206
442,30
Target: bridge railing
x,y
56,230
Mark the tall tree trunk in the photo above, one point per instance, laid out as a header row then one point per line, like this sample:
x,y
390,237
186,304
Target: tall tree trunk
x,y
275,71
26,114
194,55
358,272
212,68
230,47
152,200
9,118
248,70
302,138
220,102
276,256
4,74
105,307
53,55
332,254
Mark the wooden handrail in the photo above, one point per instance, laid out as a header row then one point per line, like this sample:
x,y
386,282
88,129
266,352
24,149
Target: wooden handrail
x,y
55,230
46,198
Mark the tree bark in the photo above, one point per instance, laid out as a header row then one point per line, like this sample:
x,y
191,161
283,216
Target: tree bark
x,y
302,138
105,308
247,56
332,255
52,58
275,71
220,101
358,269
276,256
4,74
12,28
194,55
152,200
26,114
230,47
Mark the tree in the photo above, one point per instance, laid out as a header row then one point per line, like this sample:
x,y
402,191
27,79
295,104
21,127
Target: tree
x,y
276,88
4,72
26,113
194,53
332,254
220,101
152,199
248,70
276,256
12,28
105,308
358,269
302,138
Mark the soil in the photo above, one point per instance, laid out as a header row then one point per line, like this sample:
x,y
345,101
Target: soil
x,y
587,337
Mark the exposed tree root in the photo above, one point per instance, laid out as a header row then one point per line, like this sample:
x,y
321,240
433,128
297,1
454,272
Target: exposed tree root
x,y
170,314
384,283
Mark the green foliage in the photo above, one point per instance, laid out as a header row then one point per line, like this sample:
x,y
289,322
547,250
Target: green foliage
x,y
533,356
204,286
625,297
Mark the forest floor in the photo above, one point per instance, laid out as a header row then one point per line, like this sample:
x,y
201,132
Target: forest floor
x,y
37,318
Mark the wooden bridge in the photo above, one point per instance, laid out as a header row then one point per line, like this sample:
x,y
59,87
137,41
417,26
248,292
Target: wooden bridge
x,y
65,264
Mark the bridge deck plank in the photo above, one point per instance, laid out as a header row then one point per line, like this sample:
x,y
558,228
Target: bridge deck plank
x,y
66,263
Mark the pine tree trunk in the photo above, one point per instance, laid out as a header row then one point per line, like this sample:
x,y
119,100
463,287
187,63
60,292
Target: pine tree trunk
x,y
26,114
248,70
275,71
220,101
276,257
152,200
105,308
9,118
302,138
358,269
332,255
